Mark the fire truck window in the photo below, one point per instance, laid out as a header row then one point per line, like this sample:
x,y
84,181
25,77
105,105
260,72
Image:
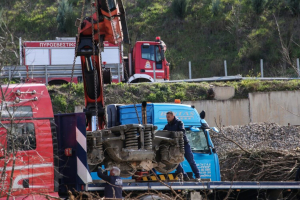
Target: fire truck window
x,y
16,111
158,58
23,136
158,55
148,52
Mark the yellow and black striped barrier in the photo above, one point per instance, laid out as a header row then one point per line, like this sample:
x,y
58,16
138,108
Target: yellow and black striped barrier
x,y
161,177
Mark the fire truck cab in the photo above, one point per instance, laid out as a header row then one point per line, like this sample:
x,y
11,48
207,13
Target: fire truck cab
x,y
147,62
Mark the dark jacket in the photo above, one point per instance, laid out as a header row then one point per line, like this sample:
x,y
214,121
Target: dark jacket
x,y
116,183
176,125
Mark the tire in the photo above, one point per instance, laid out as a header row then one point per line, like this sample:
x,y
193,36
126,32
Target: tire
x,y
107,77
112,115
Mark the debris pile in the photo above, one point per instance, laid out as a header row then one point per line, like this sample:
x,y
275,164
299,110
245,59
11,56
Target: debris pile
x,y
258,152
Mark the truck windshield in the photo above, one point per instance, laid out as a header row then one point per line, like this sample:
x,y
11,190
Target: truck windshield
x,y
148,52
17,111
197,141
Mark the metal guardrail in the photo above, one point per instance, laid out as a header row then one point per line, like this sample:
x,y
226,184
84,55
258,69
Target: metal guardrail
x,y
52,71
60,71
231,78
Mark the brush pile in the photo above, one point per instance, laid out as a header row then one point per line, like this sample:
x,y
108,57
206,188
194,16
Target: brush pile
x,y
258,152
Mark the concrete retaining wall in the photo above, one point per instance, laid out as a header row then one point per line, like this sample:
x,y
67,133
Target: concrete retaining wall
x,y
228,112
279,107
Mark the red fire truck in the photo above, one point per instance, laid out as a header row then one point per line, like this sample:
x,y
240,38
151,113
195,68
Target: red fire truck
x,y
51,62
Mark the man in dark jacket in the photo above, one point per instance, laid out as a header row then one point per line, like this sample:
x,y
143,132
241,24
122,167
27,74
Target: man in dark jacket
x,y
174,124
113,186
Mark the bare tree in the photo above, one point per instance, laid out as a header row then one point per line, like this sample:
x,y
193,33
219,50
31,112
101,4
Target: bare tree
x,y
286,47
17,127
8,46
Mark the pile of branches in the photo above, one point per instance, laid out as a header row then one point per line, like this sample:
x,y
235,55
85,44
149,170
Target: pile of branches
x,y
268,165
258,152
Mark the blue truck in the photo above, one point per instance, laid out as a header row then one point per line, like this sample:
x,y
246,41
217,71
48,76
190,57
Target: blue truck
x,y
205,155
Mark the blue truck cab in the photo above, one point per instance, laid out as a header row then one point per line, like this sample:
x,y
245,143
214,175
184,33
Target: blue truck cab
x,y
203,149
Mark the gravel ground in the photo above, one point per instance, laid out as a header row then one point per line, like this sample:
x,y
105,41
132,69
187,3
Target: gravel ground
x,y
263,152
256,137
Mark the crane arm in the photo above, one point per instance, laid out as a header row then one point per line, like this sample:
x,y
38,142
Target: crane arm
x,y
108,23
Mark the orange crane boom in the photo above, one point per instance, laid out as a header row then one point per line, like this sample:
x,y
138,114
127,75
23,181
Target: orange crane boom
x,y
108,23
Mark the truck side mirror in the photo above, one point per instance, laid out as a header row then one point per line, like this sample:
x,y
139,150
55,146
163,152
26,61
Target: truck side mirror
x,y
202,114
214,150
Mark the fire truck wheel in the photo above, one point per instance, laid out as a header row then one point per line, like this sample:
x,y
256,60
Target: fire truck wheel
x,y
107,77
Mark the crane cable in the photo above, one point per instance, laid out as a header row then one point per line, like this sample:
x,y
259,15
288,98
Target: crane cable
x,y
75,55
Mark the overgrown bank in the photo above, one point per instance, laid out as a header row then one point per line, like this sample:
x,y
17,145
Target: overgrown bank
x,y
161,92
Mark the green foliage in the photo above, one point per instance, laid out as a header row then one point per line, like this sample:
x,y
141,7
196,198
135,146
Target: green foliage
x,y
205,32
215,7
161,92
258,5
61,96
294,6
180,8
66,18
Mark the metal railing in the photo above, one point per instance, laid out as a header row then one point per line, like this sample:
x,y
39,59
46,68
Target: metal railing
x,y
52,71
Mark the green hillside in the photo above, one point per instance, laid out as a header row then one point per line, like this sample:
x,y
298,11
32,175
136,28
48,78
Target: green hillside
x,y
205,32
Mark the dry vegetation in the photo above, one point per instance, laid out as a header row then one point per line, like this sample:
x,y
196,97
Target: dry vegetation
x,y
269,152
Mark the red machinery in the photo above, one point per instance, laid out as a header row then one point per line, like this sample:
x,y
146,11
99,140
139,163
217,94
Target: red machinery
x,y
108,23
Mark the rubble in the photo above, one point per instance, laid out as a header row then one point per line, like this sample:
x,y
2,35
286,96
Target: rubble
x,y
258,152
257,136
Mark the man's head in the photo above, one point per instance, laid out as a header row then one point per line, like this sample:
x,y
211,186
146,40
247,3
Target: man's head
x,y
170,116
115,171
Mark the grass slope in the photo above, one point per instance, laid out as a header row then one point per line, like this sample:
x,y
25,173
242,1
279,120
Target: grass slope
x,y
161,92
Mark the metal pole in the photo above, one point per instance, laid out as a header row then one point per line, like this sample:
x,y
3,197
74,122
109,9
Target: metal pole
x,y
20,49
46,74
225,67
94,123
154,74
298,67
9,73
190,70
262,67
119,72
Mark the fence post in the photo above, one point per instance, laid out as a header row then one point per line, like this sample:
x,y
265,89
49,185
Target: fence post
x,y
20,50
190,70
119,73
9,73
154,74
262,67
46,74
225,67
298,67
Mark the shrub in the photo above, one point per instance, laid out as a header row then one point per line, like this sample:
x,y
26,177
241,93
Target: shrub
x,y
180,8
66,18
294,6
215,7
258,5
